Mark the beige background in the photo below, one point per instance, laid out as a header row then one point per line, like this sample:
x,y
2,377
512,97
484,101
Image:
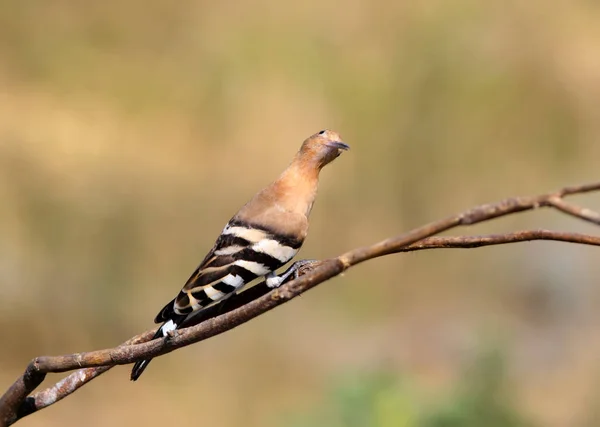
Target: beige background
x,y
130,131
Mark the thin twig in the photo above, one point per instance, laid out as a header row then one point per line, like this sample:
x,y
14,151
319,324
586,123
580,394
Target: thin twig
x,y
574,210
15,403
467,242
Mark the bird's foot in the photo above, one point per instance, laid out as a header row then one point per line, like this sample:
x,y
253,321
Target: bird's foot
x,y
274,281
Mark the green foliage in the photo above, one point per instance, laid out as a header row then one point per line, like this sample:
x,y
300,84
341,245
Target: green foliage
x,y
383,399
483,399
377,399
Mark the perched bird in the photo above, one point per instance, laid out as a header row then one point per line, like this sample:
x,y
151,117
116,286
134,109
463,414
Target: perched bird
x,y
264,235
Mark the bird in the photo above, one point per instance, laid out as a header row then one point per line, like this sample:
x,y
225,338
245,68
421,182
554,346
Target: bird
x,y
263,236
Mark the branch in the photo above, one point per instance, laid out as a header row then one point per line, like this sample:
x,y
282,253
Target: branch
x,y
66,386
17,403
467,242
574,210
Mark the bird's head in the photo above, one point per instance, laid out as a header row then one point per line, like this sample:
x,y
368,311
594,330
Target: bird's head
x,y
323,147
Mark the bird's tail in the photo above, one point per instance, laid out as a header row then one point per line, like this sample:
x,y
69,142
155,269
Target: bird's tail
x,y
139,367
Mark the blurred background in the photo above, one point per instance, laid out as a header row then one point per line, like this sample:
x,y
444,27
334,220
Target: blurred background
x,y
130,132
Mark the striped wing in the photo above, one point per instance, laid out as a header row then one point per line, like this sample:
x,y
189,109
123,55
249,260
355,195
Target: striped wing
x,y
241,254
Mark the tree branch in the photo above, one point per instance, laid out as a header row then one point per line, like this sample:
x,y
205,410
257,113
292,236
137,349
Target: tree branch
x,y
467,242
574,210
17,402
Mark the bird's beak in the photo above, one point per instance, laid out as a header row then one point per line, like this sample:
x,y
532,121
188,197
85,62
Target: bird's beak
x,y
339,145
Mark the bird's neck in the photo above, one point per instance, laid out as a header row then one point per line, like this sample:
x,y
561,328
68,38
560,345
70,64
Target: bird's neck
x,y
297,186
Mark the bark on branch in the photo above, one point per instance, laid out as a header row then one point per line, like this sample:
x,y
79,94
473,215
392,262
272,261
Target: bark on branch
x,y
18,401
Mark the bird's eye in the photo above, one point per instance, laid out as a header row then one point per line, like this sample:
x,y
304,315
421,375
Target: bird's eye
x,y
322,132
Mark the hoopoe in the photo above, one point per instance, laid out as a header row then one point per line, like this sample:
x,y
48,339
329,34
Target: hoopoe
x,y
264,235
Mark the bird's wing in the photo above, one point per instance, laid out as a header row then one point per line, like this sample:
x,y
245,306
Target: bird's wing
x,y
241,253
